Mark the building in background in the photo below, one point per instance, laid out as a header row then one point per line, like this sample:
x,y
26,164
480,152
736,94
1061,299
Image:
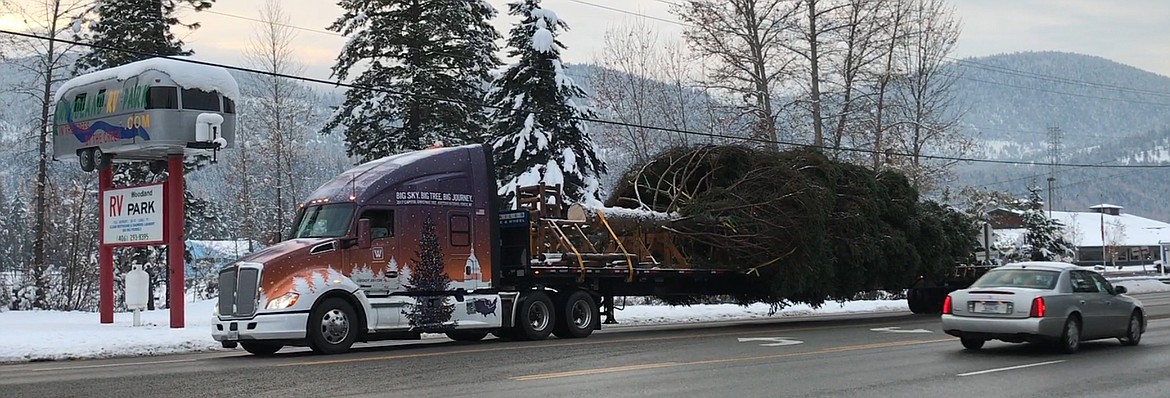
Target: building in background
x,y
1102,234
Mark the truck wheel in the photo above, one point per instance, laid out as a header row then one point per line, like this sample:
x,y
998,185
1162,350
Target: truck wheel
x,y
914,301
260,349
332,327
577,316
88,159
535,318
466,335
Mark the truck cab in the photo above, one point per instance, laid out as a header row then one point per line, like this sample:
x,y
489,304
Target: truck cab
x,y
390,249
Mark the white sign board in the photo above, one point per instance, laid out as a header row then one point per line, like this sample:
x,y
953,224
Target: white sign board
x,y
133,215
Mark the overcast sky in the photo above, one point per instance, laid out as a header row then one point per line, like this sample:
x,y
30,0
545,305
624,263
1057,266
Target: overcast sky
x,y
1135,32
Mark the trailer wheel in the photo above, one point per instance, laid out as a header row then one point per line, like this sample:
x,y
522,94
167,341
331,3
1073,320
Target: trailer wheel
x,y
88,159
577,316
332,327
260,349
535,317
466,335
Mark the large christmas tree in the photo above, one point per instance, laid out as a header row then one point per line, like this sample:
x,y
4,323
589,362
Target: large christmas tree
x,y
536,131
427,274
432,58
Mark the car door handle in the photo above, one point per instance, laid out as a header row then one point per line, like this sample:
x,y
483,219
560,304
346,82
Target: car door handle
x,y
1082,302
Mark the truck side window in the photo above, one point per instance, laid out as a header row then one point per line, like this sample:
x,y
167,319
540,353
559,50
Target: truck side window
x,y
460,230
381,222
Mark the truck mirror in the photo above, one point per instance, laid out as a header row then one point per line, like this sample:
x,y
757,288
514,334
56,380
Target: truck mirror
x,y
363,234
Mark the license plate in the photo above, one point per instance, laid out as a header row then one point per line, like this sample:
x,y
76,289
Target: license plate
x,y
993,307
233,335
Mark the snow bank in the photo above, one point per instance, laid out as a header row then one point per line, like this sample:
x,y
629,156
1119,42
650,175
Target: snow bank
x,y
661,314
45,335
1147,285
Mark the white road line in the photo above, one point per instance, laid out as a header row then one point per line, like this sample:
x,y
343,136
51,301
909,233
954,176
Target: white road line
x,y
1008,368
111,365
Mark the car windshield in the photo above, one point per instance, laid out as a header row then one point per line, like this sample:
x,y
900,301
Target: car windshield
x,y
1028,278
324,221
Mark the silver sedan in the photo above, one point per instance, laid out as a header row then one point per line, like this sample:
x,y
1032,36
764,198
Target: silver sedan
x,y
1043,302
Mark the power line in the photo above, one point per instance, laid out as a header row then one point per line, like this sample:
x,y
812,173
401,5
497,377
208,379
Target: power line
x,y
618,10
1058,79
581,118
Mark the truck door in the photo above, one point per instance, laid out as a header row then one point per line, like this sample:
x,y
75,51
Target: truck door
x,y
377,270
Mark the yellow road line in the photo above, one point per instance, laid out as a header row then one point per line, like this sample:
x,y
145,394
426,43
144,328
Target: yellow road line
x,y
555,343
587,372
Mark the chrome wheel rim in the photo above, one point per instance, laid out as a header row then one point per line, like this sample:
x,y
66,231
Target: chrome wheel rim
x,y
1135,329
582,316
1073,335
334,326
538,316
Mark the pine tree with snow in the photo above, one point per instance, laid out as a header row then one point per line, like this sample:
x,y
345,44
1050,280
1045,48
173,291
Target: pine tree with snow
x,y
1044,237
435,56
428,274
536,130
139,25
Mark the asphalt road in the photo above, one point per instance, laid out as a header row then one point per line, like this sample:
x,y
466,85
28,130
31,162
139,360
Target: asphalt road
x,y
873,355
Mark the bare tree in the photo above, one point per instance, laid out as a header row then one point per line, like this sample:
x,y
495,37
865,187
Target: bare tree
x,y
745,41
284,111
859,40
622,87
929,117
49,61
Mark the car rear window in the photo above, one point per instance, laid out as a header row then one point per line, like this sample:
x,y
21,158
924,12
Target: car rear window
x,y
1029,278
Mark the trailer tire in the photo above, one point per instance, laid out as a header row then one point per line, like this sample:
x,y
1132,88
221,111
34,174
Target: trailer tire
x,y
577,316
535,317
333,326
466,335
260,348
87,158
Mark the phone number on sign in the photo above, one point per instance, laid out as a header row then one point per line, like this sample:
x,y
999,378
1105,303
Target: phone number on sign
x,y
132,237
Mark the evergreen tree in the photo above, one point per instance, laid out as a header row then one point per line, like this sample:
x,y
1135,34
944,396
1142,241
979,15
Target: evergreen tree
x,y
437,54
139,25
537,135
427,274
8,236
1044,239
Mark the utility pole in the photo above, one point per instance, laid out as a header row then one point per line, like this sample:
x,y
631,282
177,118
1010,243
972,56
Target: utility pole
x,y
1055,137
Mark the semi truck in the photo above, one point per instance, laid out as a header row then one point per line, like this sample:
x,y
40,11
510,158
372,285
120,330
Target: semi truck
x,y
416,243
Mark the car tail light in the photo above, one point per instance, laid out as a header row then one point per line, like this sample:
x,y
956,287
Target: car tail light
x,y
1037,308
947,306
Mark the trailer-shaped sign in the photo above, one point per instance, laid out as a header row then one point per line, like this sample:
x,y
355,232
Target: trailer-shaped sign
x,y
144,110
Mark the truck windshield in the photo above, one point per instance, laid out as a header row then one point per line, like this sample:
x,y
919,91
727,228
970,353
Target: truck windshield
x,y
324,221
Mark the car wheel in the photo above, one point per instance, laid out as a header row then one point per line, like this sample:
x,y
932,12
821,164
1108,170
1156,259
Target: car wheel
x,y
1070,339
466,335
971,343
1133,335
332,327
260,349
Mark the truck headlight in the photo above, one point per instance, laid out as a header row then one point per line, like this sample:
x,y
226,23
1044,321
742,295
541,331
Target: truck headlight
x,y
282,302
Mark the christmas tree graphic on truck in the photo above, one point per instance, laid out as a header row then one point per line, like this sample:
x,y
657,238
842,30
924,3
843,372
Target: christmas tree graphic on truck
x,y
427,275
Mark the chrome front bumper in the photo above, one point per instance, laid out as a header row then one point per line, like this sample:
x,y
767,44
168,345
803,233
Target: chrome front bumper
x,y
278,326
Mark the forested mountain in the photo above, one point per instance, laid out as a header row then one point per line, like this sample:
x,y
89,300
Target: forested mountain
x,y
1108,114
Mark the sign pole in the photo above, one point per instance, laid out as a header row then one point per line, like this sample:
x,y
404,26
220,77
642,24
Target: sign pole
x,y
175,244
105,252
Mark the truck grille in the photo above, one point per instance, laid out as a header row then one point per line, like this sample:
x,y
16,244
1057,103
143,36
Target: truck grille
x,y
238,291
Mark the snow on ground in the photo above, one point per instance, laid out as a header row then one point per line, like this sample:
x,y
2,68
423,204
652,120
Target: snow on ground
x,y
53,335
